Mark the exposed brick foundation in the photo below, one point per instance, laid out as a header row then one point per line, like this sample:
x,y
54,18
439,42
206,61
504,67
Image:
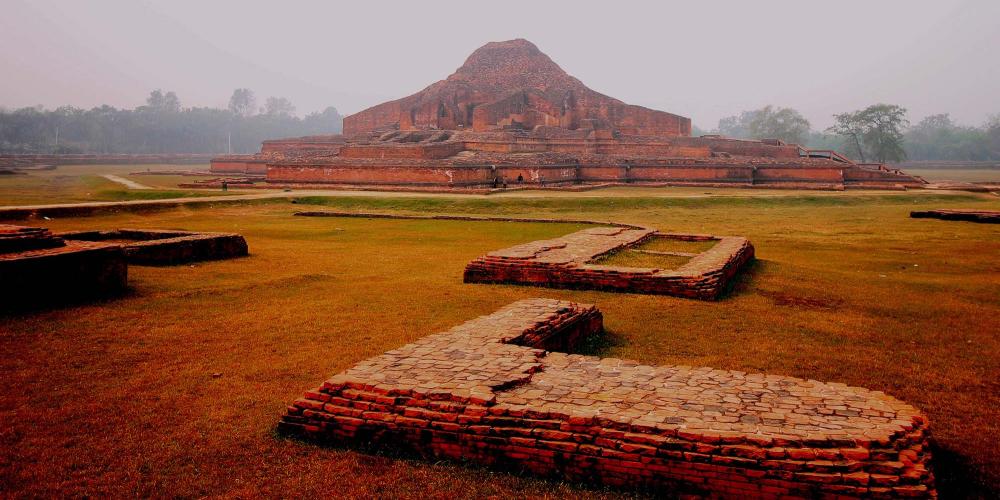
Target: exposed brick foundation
x,y
568,262
155,247
488,391
986,216
37,267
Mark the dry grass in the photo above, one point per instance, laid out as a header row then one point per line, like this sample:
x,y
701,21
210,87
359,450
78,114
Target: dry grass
x,y
957,174
633,258
666,244
119,397
76,183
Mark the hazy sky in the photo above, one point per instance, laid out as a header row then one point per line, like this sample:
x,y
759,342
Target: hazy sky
x,y
704,60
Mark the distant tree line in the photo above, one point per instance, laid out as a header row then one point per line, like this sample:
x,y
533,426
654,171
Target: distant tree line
x,y
160,126
878,133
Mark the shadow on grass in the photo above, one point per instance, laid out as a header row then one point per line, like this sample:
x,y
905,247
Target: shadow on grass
x,y
600,345
956,477
30,306
743,281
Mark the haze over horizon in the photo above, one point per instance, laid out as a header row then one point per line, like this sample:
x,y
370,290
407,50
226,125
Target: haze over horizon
x,y
701,61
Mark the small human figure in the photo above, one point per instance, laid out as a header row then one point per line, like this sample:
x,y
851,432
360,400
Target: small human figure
x,y
505,183
520,178
225,185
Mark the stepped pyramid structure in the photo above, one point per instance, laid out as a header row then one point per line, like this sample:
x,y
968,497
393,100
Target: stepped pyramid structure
x,y
510,115
512,84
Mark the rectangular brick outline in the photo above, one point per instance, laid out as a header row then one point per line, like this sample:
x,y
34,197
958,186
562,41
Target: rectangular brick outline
x,y
707,285
50,270
706,276
166,247
488,391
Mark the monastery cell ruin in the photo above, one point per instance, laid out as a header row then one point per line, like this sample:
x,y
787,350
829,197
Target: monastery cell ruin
x,y
511,117
492,391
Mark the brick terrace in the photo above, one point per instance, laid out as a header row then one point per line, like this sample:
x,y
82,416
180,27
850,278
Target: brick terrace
x,y
489,392
155,247
568,262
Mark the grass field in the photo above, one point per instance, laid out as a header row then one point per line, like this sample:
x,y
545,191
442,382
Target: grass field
x,y
957,174
77,183
175,389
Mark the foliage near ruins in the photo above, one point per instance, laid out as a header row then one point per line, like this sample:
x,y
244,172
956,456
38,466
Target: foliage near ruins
x,y
161,126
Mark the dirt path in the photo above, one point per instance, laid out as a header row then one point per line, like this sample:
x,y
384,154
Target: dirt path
x,y
84,208
125,182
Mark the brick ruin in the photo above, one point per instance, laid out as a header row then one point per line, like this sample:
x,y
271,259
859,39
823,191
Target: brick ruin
x,y
492,391
38,267
575,261
588,259
156,247
985,216
510,115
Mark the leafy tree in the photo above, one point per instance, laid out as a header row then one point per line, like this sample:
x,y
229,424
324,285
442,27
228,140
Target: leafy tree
x,y
279,106
159,126
737,126
936,137
991,136
884,135
877,130
171,103
328,119
155,99
160,102
786,124
769,122
242,102
851,127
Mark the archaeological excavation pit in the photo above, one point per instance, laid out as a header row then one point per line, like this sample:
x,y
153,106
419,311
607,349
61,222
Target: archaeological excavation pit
x,y
158,247
624,259
490,391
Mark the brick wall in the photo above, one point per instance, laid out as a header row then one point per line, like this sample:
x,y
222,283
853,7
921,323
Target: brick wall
x,y
489,391
566,263
156,247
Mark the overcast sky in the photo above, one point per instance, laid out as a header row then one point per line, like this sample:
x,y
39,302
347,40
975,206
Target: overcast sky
x,y
704,60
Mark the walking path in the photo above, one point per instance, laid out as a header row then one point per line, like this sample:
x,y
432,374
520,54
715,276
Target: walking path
x,y
85,208
126,182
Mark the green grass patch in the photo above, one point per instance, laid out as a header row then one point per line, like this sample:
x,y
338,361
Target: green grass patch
x,y
634,258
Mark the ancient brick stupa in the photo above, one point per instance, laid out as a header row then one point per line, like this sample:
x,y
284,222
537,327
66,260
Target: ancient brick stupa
x,y
510,115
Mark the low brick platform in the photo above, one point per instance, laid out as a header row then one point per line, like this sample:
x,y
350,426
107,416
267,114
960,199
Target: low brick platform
x,y
569,262
38,268
488,391
986,216
155,247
